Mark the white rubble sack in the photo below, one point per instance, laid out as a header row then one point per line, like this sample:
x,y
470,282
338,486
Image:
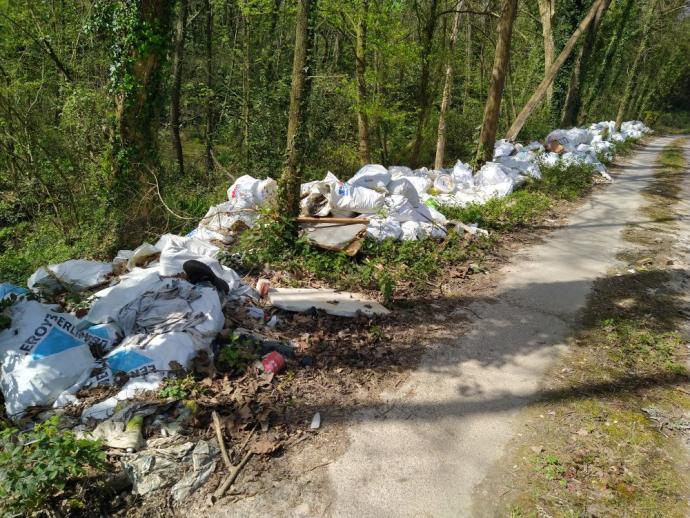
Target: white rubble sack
x,y
72,275
404,187
43,354
250,193
493,180
371,176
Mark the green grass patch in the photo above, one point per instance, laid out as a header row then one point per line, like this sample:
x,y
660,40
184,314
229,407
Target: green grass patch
x,y
565,182
672,156
517,210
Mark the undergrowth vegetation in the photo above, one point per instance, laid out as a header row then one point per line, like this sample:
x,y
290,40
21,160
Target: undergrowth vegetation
x,y
40,464
389,265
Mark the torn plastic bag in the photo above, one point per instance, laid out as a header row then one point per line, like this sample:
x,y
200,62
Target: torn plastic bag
x,y
569,139
174,305
226,220
380,229
503,148
535,146
421,183
403,187
130,390
72,275
398,171
250,193
108,301
549,159
164,464
493,180
10,290
521,167
444,183
462,175
43,354
371,176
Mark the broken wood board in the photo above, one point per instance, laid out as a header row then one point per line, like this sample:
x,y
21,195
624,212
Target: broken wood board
x,y
338,303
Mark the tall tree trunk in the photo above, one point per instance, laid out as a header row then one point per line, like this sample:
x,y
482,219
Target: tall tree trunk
x,y
290,180
447,87
547,9
633,72
361,58
540,92
210,97
605,65
572,99
492,109
137,111
177,59
423,93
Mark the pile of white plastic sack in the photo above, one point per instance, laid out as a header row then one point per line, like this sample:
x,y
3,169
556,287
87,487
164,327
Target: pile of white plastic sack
x,y
399,202
147,323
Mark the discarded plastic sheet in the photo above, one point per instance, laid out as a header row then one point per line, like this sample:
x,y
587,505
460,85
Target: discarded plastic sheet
x,y
338,303
340,238
163,466
72,275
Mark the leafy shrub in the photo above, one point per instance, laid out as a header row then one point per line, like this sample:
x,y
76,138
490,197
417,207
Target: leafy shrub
x,y
38,465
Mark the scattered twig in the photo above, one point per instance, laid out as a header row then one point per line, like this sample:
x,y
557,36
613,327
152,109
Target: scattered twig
x,y
232,476
158,192
221,443
319,466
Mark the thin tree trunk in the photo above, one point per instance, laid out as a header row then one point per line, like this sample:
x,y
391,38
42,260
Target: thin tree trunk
x,y
468,63
547,9
540,92
492,109
290,180
447,87
177,59
605,65
210,97
246,75
360,56
633,72
423,94
572,103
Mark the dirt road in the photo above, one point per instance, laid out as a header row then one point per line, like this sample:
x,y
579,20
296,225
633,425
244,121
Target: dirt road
x,y
426,450
450,421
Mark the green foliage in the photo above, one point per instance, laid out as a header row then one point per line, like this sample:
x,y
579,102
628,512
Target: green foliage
x,y
38,465
567,182
238,354
380,266
517,210
179,388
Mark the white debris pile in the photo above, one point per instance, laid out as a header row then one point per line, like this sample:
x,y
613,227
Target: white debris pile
x,y
146,323
399,202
